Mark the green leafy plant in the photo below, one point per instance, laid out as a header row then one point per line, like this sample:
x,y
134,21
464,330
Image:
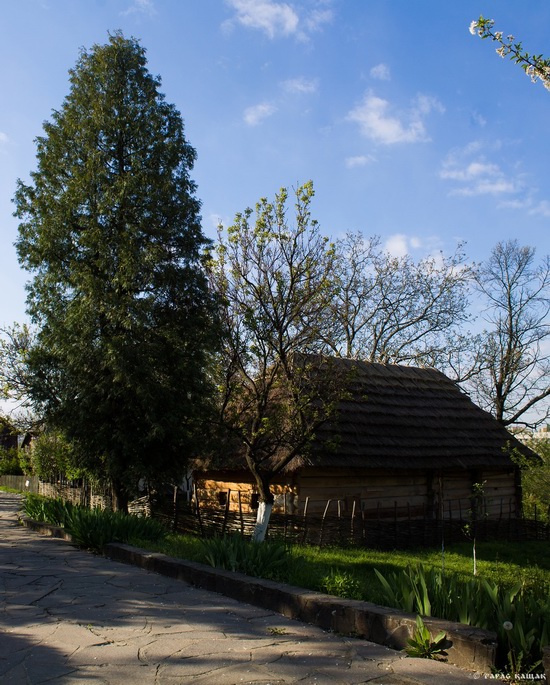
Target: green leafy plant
x,y
9,462
235,553
422,646
519,614
341,584
92,528
55,511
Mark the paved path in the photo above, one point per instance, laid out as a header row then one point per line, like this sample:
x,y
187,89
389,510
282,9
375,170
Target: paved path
x,y
67,617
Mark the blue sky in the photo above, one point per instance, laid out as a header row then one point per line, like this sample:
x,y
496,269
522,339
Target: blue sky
x,y
410,127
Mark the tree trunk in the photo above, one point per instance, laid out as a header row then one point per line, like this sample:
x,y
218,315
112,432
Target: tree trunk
x,y
262,521
120,497
265,506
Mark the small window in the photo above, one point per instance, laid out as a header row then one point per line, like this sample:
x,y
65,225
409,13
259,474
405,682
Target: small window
x,y
254,500
222,498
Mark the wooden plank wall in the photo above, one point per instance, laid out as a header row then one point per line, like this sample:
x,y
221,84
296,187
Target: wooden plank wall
x,y
372,491
378,493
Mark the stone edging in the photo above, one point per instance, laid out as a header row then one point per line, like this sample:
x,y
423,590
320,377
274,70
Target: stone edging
x,y
470,648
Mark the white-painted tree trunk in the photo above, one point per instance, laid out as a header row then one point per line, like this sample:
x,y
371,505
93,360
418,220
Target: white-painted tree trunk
x,y
262,521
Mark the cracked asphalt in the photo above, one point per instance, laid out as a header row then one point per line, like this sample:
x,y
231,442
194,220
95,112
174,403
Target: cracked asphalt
x,y
71,617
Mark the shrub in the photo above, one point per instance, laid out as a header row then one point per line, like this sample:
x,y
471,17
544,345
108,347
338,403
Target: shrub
x,y
9,462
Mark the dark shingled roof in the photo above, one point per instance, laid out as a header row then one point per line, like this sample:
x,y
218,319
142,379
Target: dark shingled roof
x,y
408,418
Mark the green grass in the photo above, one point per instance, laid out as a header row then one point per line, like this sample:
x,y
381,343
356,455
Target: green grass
x,y
309,567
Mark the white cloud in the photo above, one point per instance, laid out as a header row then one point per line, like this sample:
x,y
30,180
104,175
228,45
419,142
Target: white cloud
x,y
478,120
277,18
473,175
381,72
273,18
359,160
141,7
3,138
400,245
542,208
301,85
317,18
257,113
397,245
377,123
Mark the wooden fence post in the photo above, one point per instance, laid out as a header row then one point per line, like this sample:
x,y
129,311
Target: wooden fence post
x,y
240,511
226,512
175,510
198,509
323,522
306,503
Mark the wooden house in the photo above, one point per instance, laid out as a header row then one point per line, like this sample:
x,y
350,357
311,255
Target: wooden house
x,y
406,441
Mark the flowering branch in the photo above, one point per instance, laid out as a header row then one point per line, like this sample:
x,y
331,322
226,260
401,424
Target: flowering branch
x,y
535,66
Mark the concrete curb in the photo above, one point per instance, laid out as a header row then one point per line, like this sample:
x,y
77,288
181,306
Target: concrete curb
x,y
46,529
468,648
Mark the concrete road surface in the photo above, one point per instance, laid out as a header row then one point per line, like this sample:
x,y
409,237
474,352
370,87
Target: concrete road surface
x,y
70,617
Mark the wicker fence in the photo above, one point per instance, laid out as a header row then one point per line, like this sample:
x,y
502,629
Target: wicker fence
x,y
380,529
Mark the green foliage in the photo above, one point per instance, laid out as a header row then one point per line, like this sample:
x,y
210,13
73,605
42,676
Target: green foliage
x,y
15,344
110,231
45,509
235,553
274,280
52,455
341,584
421,644
520,616
535,481
9,462
92,528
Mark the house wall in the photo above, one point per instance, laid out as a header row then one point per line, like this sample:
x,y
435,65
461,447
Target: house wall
x,y
377,493
213,488
385,494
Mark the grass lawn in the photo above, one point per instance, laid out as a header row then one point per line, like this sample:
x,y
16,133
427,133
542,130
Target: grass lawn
x,y
313,567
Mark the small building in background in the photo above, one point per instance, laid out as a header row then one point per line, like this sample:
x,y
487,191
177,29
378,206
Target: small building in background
x,y
406,442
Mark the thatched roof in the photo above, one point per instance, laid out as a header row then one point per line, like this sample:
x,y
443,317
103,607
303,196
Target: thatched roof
x,y
403,417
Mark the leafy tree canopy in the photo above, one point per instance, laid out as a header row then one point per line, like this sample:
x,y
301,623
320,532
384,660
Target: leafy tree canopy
x,y
110,231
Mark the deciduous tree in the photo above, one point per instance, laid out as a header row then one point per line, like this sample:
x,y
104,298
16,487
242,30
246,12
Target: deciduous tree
x,y
395,310
110,231
515,378
275,281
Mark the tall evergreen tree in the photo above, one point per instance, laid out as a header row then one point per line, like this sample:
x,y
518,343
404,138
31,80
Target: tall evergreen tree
x,y
110,230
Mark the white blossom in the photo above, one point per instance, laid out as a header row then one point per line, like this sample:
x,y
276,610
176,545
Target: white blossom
x,y
507,625
473,27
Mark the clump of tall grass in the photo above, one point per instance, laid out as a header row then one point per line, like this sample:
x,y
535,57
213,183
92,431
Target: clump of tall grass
x,y
520,615
235,553
91,528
